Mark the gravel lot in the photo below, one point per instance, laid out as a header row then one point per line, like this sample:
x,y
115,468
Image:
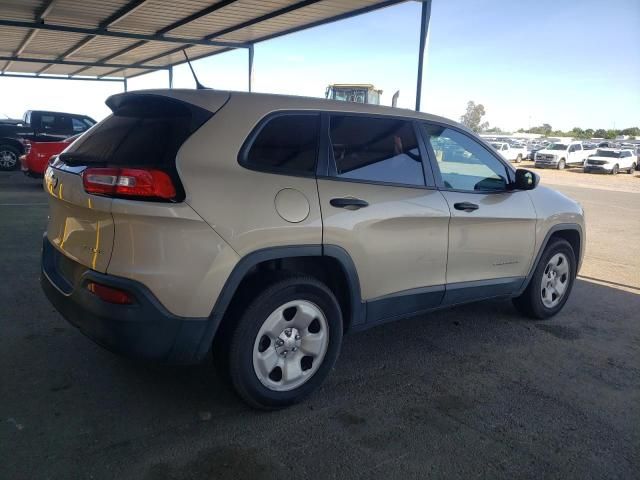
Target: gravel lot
x,y
472,392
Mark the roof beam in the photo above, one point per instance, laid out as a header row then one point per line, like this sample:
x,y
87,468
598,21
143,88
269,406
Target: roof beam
x,y
109,33
54,77
122,13
262,18
191,18
40,16
336,18
78,63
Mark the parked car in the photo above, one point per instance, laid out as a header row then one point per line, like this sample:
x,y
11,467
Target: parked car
x,y
611,160
559,155
533,149
37,126
198,221
510,152
37,154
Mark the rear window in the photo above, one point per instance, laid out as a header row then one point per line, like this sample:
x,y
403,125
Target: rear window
x,y
286,143
142,131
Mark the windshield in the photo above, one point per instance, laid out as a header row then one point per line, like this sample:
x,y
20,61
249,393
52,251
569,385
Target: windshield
x,y
557,146
608,153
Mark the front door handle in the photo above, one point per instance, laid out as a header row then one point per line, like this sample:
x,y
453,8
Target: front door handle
x,y
348,203
466,206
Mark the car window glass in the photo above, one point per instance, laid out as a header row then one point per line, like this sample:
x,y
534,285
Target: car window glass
x,y
287,143
464,164
78,125
55,124
376,150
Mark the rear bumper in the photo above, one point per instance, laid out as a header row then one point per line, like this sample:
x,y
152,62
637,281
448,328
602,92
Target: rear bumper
x,y
27,170
144,330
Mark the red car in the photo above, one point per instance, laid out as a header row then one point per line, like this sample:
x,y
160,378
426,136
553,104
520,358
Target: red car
x,y
37,154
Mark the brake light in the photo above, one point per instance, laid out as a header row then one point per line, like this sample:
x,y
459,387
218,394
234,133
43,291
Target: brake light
x,y
110,294
128,182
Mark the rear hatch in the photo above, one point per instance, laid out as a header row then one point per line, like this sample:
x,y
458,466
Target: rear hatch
x,y
143,134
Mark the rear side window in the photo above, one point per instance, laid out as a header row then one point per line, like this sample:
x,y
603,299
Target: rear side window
x,y
286,143
55,124
376,150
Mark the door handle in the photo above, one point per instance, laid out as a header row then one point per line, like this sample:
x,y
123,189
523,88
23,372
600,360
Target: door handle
x,y
348,203
466,206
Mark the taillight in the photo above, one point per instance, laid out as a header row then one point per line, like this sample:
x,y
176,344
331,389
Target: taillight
x,y
27,147
128,182
110,294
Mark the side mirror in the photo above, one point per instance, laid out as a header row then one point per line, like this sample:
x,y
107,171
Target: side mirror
x,y
526,180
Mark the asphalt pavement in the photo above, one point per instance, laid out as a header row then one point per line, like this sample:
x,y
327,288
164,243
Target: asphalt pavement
x,y
473,392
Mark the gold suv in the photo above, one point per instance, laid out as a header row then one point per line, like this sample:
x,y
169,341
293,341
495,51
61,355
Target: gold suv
x,y
263,227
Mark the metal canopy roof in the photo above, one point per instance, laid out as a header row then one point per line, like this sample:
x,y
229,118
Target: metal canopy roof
x,y
119,39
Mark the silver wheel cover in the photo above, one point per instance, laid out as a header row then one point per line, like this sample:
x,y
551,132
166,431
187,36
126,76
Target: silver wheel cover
x,y
290,345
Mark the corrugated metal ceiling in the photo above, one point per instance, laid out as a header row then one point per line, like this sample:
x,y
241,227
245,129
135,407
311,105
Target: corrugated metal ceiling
x,y
156,30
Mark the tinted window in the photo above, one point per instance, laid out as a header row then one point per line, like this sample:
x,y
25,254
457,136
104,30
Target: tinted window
x,y
79,125
55,124
376,149
286,142
143,131
464,163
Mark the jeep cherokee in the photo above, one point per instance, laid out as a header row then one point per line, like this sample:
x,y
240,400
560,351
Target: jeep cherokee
x,y
262,227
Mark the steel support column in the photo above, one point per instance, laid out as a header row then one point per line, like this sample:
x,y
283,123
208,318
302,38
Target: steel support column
x,y
250,65
170,70
424,31
126,86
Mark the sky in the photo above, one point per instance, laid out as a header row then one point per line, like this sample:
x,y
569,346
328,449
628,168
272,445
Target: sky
x,y
566,63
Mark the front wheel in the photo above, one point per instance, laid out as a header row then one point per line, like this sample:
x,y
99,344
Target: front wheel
x,y
615,170
632,169
561,164
285,343
519,158
552,281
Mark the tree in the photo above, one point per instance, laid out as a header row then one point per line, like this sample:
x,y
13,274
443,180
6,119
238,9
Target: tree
x,y
473,117
633,131
611,134
600,133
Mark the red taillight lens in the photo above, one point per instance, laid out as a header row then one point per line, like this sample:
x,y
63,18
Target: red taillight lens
x,y
128,182
110,294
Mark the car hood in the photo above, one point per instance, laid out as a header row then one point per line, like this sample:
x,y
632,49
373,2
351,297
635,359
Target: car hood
x,y
606,159
551,152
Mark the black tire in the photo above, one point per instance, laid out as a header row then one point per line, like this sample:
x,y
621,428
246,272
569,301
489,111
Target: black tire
x,y
632,169
561,164
9,157
519,158
241,345
530,302
615,169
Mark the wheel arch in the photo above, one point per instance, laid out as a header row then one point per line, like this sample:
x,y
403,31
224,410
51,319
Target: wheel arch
x,y
571,232
329,263
12,142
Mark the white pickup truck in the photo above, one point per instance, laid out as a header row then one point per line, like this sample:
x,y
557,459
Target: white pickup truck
x,y
559,155
510,152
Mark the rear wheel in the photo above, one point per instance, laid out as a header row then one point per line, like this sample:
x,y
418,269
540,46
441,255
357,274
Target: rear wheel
x,y
285,343
552,281
561,164
8,157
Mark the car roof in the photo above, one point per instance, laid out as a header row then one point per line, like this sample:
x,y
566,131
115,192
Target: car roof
x,y
210,99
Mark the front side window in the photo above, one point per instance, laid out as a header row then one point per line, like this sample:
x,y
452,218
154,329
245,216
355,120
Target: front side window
x,y
376,150
288,143
464,164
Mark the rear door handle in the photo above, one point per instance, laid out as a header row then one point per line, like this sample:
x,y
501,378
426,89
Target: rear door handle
x,y
466,206
348,203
